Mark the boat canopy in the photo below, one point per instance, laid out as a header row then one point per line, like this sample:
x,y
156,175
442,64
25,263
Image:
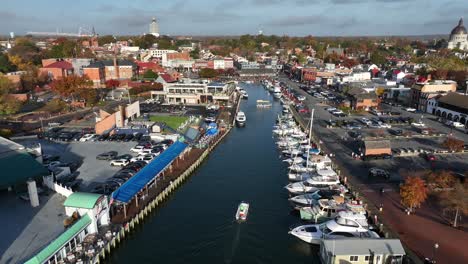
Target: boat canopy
x,y
130,188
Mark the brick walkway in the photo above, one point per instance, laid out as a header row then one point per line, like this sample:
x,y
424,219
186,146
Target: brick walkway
x,y
421,230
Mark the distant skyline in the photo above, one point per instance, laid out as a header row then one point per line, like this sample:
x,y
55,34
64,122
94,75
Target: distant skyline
x,y
236,17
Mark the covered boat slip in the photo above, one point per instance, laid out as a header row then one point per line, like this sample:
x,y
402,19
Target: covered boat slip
x,y
137,183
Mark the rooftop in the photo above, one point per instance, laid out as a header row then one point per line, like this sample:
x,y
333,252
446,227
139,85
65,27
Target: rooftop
x,y
363,246
374,144
455,99
82,200
60,64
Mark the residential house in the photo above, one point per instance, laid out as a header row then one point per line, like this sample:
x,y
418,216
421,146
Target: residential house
x,y
145,66
57,69
421,92
361,251
165,78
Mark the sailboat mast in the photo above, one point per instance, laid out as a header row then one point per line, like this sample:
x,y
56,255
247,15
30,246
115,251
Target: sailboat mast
x,y
310,136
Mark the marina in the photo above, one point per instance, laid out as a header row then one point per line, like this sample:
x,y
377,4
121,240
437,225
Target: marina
x,y
194,221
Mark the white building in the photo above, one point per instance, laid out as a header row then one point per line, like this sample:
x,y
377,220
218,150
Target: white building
x,y
154,28
357,77
195,93
158,53
218,64
458,37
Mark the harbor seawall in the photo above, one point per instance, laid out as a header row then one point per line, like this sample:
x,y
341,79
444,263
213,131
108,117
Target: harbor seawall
x,y
152,206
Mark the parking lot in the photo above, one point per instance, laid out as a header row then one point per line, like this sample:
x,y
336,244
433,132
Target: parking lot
x,y
407,140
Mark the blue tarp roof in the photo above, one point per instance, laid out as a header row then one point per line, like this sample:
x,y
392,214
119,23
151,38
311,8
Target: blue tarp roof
x,y
130,188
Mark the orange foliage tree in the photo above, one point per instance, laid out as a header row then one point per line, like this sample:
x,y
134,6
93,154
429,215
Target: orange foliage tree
x,y
453,144
413,192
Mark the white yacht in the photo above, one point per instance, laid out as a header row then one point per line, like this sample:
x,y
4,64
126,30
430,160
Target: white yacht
x,y
241,118
327,172
312,184
345,225
277,92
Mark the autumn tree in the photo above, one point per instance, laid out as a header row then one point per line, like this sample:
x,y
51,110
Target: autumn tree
x,y
413,192
440,180
453,144
69,85
112,83
33,78
55,106
456,200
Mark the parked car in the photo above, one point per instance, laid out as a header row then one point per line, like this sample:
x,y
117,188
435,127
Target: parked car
x,y
455,124
409,109
124,156
103,137
418,124
87,137
365,121
353,126
119,162
138,148
107,155
137,136
301,98
355,134
396,132
428,156
128,138
377,172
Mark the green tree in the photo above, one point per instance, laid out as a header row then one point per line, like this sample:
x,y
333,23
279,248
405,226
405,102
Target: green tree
x,y
55,106
377,57
195,54
9,105
150,74
208,73
106,39
6,86
5,64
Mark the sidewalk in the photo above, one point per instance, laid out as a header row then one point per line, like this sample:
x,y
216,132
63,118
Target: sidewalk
x,y
422,229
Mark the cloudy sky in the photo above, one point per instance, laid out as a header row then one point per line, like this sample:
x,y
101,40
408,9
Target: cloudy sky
x,y
235,17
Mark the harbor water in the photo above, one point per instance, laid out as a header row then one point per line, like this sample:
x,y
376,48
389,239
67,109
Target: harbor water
x,y
196,224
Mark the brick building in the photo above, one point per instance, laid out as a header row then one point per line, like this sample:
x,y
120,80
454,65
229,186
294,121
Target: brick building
x,y
422,92
57,69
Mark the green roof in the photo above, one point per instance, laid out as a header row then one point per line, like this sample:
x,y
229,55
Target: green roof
x,y
60,241
18,168
82,200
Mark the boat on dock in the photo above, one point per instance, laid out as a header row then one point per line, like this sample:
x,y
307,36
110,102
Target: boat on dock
x,y
346,225
241,118
242,211
244,94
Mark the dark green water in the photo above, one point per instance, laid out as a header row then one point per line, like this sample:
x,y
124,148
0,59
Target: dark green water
x,y
196,225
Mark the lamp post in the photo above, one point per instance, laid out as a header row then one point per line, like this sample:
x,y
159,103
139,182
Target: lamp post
x,y
436,246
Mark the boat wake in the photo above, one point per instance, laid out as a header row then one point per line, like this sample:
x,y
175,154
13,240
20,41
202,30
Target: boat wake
x,y
234,245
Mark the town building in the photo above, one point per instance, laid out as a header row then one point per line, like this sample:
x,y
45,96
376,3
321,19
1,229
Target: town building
x,y
192,92
101,71
154,27
421,92
158,53
362,99
458,37
169,58
145,66
110,119
454,107
96,73
361,251
58,69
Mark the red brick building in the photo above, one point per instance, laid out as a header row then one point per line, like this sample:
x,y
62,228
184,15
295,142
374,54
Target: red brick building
x,y
144,66
58,69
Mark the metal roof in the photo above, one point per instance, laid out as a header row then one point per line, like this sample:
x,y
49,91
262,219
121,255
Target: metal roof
x,y
358,246
377,144
130,188
60,241
18,167
82,200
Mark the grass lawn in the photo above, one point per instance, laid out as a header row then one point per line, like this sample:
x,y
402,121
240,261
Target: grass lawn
x,y
172,121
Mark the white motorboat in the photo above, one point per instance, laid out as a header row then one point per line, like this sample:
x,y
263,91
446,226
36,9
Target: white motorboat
x,y
244,94
295,160
327,172
242,211
277,92
306,199
325,209
241,118
345,225
312,184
